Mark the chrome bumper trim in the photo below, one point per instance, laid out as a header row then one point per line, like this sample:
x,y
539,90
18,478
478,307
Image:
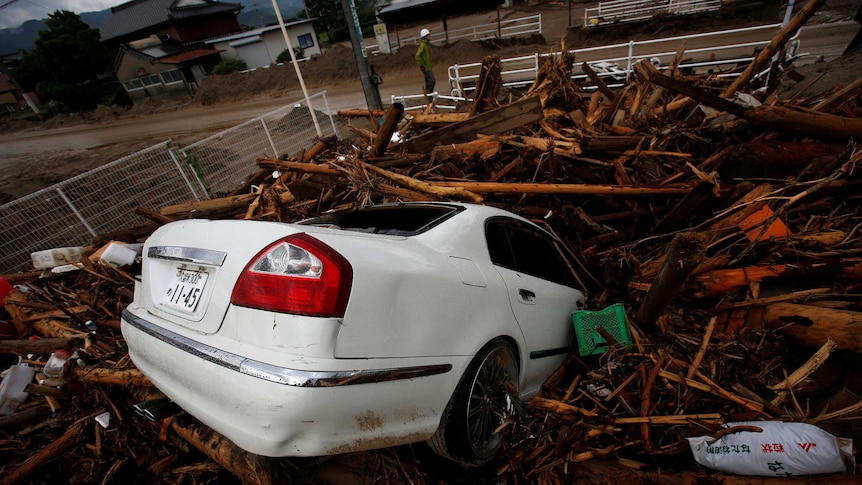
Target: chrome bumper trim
x,y
276,374
188,255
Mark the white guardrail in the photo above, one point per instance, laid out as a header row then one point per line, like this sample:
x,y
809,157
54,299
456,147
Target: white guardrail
x,y
505,28
634,10
614,62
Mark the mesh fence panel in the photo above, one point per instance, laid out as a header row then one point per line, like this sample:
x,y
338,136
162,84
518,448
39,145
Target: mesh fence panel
x,y
224,160
103,200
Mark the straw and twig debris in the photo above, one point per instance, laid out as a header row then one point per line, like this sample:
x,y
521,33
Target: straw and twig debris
x,y
722,216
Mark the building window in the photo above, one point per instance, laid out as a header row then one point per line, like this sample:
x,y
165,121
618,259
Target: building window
x,y
171,77
306,41
133,84
151,80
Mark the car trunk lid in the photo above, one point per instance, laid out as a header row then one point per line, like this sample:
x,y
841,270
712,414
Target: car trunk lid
x,y
191,267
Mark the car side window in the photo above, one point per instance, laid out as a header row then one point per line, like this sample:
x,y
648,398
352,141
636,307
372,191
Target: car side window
x,y
521,247
498,244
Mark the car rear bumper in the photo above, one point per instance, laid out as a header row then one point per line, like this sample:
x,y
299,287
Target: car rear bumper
x,y
300,409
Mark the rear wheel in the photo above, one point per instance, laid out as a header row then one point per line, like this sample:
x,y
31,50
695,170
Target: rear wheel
x,y
483,399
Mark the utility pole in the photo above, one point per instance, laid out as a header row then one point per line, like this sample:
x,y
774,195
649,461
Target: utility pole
x,y
372,93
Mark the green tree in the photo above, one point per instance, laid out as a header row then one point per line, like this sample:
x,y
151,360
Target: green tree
x,y
331,23
284,56
67,63
228,66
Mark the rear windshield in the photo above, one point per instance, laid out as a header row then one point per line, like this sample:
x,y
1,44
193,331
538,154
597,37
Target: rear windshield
x,y
394,220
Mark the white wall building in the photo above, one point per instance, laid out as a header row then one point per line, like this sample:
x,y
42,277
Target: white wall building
x,y
261,47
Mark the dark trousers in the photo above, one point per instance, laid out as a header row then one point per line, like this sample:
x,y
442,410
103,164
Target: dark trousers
x,y
430,82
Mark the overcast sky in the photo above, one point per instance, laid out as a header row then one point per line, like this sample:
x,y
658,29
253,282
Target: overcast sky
x,y
13,13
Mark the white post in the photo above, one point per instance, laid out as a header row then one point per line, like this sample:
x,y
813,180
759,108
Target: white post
x,y
296,66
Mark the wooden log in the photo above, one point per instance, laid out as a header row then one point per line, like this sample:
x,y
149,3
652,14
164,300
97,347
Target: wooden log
x,y
701,195
722,281
560,409
439,119
152,215
582,189
604,144
686,251
774,158
55,448
505,118
560,147
775,45
51,327
318,168
384,134
38,346
401,160
487,86
24,416
647,71
317,149
813,326
714,389
210,206
249,468
484,148
794,295
673,420
798,376
14,306
418,185
600,83
847,93
748,204
808,123
361,113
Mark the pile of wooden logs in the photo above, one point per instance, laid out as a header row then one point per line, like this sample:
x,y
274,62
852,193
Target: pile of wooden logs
x,y
725,220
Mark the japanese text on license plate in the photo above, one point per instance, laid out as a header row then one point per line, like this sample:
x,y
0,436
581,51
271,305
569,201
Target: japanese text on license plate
x,y
185,291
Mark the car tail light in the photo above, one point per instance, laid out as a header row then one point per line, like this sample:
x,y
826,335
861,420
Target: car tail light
x,y
299,275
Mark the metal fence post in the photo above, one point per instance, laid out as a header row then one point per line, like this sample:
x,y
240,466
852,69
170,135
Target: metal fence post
x,y
185,177
269,137
77,213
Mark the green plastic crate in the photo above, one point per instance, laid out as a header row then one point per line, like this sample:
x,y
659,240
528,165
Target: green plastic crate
x,y
588,322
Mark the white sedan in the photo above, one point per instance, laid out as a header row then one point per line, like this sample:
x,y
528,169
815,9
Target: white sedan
x,y
359,329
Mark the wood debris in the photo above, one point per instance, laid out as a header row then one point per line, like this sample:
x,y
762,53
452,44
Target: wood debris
x,y
727,224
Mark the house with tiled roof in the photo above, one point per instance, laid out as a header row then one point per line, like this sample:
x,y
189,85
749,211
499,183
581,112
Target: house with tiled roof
x,y
160,43
182,20
11,99
159,67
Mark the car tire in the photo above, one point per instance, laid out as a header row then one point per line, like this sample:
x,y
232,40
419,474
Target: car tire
x,y
485,396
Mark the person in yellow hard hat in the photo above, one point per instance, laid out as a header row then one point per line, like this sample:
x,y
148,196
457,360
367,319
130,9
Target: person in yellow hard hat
x,y
423,59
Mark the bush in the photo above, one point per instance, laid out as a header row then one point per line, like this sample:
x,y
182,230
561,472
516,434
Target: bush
x,y
229,66
298,52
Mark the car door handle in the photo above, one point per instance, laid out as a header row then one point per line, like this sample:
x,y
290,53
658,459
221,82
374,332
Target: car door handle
x,y
526,296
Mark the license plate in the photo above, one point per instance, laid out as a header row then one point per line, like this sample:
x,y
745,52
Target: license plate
x,y
185,291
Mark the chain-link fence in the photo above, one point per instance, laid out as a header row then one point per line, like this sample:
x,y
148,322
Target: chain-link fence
x,y
104,200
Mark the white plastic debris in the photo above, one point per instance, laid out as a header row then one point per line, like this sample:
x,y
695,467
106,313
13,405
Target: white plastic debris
x,y
12,387
50,258
104,419
781,450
